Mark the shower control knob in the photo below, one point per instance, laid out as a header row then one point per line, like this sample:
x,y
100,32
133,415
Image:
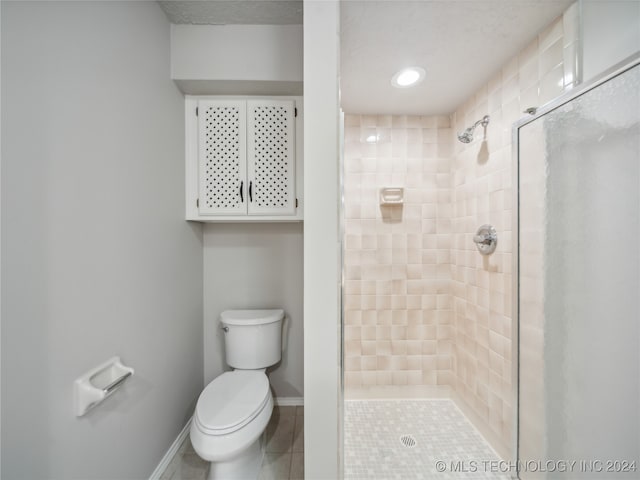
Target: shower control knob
x,y
486,239
483,239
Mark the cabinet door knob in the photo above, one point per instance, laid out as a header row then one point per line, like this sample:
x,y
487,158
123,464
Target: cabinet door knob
x,y
241,196
251,191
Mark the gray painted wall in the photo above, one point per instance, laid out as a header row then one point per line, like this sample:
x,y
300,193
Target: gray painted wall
x,y
237,59
610,34
255,266
271,53
97,259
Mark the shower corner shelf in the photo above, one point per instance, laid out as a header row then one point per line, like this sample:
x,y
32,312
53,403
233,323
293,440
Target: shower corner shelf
x,y
390,196
98,384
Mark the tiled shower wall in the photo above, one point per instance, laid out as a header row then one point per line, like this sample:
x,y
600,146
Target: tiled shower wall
x,y
398,310
422,307
482,193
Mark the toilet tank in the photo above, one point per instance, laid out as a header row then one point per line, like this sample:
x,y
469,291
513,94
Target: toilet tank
x,y
252,338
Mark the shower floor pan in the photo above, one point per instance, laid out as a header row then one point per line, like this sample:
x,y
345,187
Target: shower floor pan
x,y
414,439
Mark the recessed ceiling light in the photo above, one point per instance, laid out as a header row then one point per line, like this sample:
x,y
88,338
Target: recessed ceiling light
x,y
372,139
408,77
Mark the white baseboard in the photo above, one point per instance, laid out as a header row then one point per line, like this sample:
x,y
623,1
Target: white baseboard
x,y
289,401
173,449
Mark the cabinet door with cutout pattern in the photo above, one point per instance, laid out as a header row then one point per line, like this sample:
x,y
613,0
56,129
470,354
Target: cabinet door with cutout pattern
x,y
222,157
271,157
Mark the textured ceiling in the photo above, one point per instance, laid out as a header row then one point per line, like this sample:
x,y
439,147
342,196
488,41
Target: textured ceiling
x,y
460,43
223,12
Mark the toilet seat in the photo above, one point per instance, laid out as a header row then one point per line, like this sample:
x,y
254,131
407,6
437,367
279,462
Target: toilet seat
x,y
231,401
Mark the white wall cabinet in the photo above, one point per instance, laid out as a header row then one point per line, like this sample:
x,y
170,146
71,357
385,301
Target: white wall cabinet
x,y
243,159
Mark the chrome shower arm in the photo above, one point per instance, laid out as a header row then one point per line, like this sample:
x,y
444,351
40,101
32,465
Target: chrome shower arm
x,y
484,121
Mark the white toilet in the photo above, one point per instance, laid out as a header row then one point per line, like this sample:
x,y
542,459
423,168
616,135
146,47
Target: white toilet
x,y
234,409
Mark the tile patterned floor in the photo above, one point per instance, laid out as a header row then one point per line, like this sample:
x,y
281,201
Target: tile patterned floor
x,y
283,460
442,433
373,450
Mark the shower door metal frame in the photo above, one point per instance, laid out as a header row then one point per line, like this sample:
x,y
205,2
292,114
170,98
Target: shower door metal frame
x,y
569,96
341,229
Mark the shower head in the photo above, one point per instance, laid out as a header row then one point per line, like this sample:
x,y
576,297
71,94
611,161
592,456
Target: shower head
x,y
467,135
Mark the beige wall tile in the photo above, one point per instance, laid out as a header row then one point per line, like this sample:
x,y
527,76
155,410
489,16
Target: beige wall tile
x,y
481,193
551,58
422,307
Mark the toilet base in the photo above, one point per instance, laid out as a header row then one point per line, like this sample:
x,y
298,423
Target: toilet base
x,y
246,466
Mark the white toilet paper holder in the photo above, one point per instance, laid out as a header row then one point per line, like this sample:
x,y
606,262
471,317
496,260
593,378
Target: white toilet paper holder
x,y
98,384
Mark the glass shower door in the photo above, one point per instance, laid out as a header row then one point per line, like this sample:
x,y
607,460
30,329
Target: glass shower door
x,y
579,285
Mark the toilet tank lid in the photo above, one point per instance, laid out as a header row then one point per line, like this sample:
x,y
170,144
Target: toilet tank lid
x,y
251,317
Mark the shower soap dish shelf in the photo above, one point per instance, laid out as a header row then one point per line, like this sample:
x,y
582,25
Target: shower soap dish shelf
x,y
392,196
98,384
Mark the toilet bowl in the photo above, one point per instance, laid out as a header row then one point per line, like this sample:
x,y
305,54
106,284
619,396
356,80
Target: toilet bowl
x,y
233,411
231,415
